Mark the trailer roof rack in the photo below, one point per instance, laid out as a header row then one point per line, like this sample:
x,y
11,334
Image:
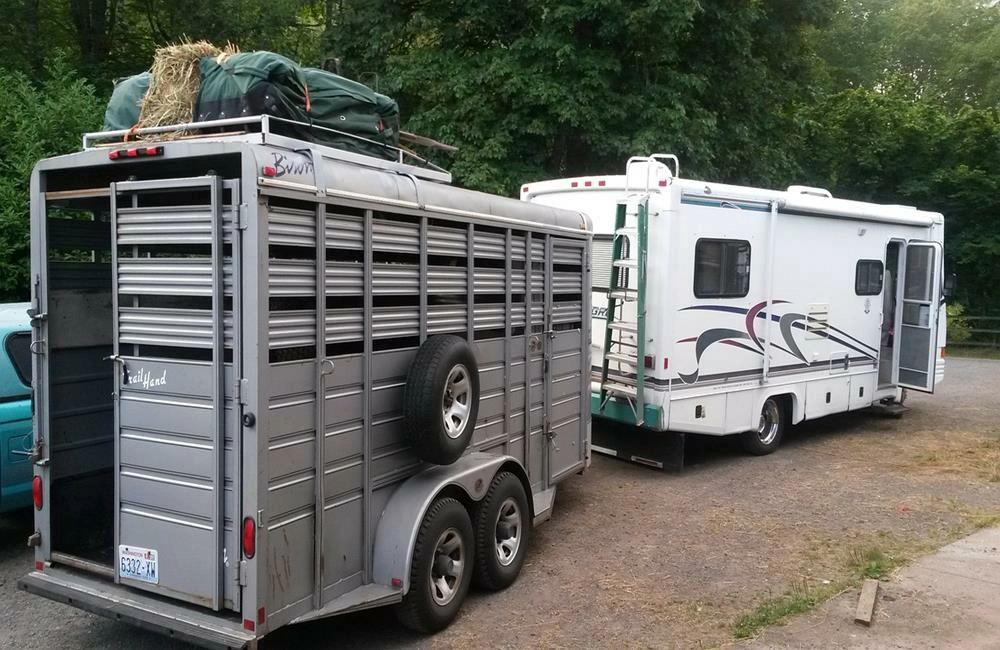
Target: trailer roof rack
x,y
267,130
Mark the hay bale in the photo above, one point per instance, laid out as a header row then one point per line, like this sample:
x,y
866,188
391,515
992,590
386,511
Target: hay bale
x,y
176,81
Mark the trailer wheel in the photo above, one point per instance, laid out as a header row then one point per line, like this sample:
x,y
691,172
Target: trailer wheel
x,y
441,399
441,570
771,428
503,525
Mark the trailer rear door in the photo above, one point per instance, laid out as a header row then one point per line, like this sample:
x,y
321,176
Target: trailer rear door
x,y
918,320
176,291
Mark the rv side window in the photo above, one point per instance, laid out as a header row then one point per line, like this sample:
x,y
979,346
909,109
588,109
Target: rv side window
x,y
721,268
868,278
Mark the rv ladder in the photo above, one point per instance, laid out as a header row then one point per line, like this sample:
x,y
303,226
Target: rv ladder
x,y
623,368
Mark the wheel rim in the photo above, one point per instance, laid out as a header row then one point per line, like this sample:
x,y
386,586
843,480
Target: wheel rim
x,y
770,420
508,531
448,566
455,401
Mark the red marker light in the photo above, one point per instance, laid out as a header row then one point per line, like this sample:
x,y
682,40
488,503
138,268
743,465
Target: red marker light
x,y
249,537
663,183
397,583
601,183
269,171
648,362
524,189
36,492
39,565
113,155
666,363
248,624
132,153
587,183
261,616
573,184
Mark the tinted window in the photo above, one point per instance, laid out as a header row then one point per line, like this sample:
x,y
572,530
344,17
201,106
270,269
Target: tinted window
x,y
721,268
868,278
17,346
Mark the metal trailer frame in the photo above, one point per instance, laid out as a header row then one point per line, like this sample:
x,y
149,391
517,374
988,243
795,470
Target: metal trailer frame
x,y
199,319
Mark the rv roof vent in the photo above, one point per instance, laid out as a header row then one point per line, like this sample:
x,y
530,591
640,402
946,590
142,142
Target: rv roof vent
x,y
811,191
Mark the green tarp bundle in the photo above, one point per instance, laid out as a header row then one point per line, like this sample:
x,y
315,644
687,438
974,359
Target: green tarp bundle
x,y
257,83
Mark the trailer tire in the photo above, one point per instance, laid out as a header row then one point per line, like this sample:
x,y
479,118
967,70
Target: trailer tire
x,y
766,438
445,540
503,527
441,399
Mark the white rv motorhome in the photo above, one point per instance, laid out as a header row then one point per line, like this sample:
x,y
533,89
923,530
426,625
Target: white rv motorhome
x,y
721,309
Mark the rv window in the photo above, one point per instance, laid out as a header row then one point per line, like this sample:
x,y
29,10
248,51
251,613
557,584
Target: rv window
x,y
721,268
868,278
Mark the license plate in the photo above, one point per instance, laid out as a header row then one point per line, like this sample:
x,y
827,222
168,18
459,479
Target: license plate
x,y
138,564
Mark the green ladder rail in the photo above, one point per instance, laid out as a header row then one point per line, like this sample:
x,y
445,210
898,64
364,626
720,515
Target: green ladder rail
x,y
623,369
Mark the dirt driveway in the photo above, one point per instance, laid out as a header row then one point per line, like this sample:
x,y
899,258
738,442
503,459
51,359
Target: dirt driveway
x,y
637,558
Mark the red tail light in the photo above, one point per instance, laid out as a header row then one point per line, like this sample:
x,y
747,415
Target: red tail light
x,y
249,537
135,152
36,492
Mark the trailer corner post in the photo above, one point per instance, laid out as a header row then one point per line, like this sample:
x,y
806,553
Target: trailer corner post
x,y
768,290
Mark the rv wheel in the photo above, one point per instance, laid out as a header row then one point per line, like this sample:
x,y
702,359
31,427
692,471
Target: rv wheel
x,y
503,522
767,436
441,569
441,399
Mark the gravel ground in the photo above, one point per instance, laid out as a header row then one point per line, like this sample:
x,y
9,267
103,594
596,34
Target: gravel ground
x,y
637,558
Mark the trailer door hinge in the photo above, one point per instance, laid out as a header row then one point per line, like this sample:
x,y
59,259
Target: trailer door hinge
x,y
243,222
241,573
35,539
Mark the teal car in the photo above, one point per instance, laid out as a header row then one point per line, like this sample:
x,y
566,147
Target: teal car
x,y
15,406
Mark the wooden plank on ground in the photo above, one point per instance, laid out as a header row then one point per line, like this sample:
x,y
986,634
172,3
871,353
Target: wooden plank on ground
x,y
866,603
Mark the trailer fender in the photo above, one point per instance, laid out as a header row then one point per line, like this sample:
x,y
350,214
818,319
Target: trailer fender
x,y
397,528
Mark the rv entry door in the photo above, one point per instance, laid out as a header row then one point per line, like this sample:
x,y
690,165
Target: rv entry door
x,y
918,318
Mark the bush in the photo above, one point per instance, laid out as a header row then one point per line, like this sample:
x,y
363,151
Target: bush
x,y
36,121
958,326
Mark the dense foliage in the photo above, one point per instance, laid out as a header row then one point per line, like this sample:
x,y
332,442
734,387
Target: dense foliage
x,y
885,100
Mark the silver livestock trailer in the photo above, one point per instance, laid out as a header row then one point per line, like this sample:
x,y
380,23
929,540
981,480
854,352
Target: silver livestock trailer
x,y
276,381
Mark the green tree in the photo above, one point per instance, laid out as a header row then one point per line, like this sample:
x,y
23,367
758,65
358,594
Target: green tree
x,y
36,121
531,89
883,146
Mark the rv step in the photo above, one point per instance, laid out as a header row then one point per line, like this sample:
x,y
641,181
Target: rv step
x,y
624,326
622,358
621,389
630,295
628,262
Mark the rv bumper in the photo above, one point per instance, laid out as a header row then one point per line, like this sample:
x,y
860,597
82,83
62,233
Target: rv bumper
x,y
101,597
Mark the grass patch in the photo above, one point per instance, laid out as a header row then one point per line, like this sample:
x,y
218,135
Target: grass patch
x,y
978,456
861,563
800,599
977,518
973,352
871,562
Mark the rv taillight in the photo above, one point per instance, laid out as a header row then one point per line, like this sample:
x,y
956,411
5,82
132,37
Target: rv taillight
x,y
663,183
249,537
36,492
524,189
944,352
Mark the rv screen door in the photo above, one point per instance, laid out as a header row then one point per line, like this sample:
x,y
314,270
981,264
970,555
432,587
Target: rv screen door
x,y
918,320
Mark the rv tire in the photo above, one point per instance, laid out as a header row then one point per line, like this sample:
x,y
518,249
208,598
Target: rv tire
x,y
503,526
766,438
441,399
441,570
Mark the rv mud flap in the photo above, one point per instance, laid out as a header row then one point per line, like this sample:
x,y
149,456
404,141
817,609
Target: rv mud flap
x,y
659,449
90,593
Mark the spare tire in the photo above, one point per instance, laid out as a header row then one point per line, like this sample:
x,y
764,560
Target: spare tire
x,y
441,399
